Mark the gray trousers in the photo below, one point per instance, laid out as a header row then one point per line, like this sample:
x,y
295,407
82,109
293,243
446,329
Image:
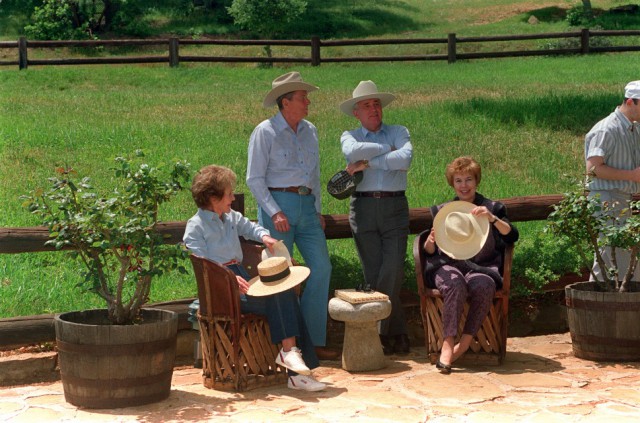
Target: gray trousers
x,y
380,229
619,201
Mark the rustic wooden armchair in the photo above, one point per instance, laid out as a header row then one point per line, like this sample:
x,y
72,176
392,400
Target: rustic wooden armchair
x,y
237,353
489,345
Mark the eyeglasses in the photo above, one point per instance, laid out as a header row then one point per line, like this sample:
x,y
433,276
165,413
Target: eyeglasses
x,y
364,287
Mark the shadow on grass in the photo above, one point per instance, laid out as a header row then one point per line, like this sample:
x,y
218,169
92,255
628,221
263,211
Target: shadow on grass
x,y
354,19
573,113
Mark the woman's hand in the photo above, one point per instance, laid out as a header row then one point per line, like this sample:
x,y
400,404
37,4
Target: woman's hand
x,y
269,242
430,244
243,285
483,211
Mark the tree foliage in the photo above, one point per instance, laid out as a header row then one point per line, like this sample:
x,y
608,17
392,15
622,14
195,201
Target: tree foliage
x,y
266,18
114,236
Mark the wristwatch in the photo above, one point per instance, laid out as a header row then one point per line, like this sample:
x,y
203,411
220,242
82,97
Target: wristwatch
x,y
366,163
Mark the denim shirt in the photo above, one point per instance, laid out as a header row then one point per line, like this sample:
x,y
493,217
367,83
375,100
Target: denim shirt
x,y
280,158
206,235
388,151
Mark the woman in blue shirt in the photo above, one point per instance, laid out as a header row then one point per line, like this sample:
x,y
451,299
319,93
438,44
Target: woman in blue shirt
x,y
213,233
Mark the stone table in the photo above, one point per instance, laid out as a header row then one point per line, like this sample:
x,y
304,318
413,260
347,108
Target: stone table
x,y
362,350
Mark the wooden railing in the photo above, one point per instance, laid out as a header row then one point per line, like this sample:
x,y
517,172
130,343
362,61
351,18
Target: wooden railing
x,y
521,209
315,45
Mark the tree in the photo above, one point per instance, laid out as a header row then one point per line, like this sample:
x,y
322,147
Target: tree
x,y
588,10
266,18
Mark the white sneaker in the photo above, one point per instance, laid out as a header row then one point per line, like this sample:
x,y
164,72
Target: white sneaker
x,y
292,360
305,383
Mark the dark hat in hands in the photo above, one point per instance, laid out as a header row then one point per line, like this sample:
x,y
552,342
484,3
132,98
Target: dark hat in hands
x,y
342,185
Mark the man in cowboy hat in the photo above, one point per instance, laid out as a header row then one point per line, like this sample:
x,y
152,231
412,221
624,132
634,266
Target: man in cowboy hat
x,y
612,155
283,173
379,212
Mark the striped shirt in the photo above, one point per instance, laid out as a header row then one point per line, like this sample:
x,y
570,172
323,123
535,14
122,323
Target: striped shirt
x,y
389,152
616,140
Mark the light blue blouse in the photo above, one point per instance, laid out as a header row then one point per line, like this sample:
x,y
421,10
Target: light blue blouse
x,y
207,235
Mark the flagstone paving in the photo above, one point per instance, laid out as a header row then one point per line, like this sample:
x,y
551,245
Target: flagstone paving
x,y
540,381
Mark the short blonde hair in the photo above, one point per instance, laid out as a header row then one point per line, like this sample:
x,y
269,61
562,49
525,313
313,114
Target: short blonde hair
x,y
465,164
211,181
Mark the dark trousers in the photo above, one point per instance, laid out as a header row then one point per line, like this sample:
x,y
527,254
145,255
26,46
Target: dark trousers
x,y
380,229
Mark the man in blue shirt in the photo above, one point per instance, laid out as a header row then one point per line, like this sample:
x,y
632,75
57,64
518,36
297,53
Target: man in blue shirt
x,y
379,211
283,173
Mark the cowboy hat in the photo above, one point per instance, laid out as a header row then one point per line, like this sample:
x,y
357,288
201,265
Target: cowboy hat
x,y
460,234
279,250
275,275
286,83
364,91
342,185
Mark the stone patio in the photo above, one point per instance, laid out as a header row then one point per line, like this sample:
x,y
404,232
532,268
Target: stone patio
x,y
541,381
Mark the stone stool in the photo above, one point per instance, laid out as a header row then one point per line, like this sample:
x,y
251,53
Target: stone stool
x,y
362,350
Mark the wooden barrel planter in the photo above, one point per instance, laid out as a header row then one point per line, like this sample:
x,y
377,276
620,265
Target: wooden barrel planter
x,y
604,325
111,366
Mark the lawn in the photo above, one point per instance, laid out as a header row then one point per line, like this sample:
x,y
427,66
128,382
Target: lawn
x,y
523,119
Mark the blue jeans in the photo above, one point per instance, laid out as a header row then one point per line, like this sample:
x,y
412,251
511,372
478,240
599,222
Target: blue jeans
x,y
282,311
307,234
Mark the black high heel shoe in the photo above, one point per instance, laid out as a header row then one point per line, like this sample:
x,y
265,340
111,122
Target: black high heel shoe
x,y
445,369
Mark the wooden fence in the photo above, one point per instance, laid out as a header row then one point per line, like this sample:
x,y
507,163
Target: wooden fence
x,y
315,46
521,209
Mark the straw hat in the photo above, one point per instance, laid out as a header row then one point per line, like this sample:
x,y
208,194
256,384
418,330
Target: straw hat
x,y
364,91
286,83
275,275
460,234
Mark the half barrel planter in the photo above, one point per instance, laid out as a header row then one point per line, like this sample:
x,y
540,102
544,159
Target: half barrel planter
x,y
604,325
111,366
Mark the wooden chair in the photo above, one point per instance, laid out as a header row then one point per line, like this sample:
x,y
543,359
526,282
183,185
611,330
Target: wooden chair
x,y
489,345
237,353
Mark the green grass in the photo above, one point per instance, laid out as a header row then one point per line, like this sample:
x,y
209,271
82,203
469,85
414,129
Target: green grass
x,y
524,120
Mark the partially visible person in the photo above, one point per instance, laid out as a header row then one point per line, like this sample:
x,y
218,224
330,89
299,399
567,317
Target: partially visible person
x,y
464,255
612,158
379,211
213,233
283,173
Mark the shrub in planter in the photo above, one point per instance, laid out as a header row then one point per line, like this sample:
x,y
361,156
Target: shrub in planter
x,y
603,313
114,236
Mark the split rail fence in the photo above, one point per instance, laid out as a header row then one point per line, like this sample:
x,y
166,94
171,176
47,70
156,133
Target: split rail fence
x,y
315,46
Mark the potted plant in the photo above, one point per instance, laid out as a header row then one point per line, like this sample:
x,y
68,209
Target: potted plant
x,y
603,314
122,355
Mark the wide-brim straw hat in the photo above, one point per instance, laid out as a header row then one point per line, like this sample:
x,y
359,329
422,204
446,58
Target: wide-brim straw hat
x,y
275,275
286,83
459,234
364,91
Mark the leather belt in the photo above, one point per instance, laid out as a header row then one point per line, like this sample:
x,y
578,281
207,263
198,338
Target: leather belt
x,y
301,190
378,194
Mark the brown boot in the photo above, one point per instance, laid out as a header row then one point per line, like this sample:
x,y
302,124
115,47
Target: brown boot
x,y
325,353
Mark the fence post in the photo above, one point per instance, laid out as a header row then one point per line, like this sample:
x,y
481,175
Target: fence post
x,y
584,41
451,48
174,59
315,51
22,53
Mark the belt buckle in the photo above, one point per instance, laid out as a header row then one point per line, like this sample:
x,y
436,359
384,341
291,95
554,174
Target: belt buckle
x,y
302,190
377,194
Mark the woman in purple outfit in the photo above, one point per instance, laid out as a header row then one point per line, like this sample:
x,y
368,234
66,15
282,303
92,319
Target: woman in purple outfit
x,y
464,256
